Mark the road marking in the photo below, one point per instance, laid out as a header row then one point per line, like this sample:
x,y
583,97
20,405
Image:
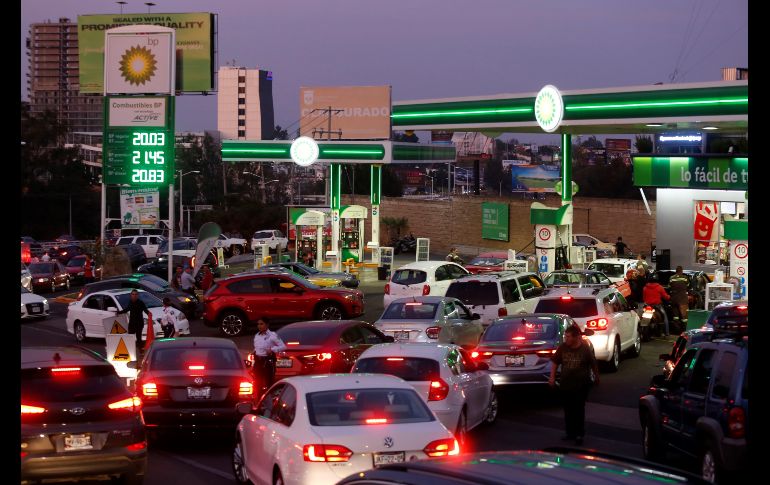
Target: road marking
x,y
214,471
43,329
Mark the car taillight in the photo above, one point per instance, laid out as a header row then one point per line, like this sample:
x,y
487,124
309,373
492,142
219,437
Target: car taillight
x,y
27,409
600,324
648,309
546,352
65,371
736,423
196,367
326,453
432,332
425,290
474,354
480,355
149,389
566,297
323,356
245,388
502,312
445,447
439,390
377,421
137,446
129,404
387,289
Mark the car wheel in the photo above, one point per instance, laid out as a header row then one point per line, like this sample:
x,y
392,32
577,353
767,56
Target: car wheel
x,y
651,447
277,477
461,432
637,348
239,463
232,324
235,250
491,414
329,311
614,363
80,331
710,469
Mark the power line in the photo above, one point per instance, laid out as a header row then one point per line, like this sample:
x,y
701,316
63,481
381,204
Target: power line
x,y
688,31
719,45
703,29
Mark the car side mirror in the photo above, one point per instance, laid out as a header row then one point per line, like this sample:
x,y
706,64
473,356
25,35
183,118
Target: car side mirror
x,y
132,364
482,366
388,339
475,316
111,309
244,408
664,357
588,332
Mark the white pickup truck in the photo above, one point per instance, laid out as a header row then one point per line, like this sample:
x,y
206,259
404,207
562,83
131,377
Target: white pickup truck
x,y
233,246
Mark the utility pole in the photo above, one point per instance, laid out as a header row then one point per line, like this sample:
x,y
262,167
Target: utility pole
x,y
328,133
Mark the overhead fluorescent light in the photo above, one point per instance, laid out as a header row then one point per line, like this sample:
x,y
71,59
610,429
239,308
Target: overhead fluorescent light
x,y
710,128
653,125
681,138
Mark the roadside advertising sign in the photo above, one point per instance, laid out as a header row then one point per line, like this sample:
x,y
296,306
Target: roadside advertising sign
x,y
364,115
739,265
706,223
139,208
494,221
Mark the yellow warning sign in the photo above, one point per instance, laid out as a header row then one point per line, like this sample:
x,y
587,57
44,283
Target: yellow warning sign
x,y
117,328
121,352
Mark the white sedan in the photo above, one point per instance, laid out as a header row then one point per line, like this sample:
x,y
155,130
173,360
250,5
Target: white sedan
x,y
85,317
422,278
32,305
320,429
458,391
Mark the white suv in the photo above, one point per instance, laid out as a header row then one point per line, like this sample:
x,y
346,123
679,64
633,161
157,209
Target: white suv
x,y
149,243
422,278
603,310
495,295
272,237
614,268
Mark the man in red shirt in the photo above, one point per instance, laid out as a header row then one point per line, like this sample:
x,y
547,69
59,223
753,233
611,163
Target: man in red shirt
x,y
653,295
88,270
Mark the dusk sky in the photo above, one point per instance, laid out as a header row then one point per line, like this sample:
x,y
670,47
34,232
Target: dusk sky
x,y
449,48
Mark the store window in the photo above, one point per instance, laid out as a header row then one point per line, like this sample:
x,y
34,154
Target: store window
x,y
709,216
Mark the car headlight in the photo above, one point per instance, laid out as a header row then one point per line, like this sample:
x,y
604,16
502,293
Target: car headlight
x,y
184,299
45,302
350,297
42,280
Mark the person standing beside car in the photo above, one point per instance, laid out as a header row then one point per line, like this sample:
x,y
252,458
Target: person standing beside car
x,y
577,362
620,247
678,286
266,344
135,308
88,270
187,282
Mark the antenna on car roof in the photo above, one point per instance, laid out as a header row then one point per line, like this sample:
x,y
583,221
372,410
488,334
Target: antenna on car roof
x,y
195,344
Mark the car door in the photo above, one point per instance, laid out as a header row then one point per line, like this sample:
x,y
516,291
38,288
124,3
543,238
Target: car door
x,y
671,398
460,324
479,387
694,396
151,249
351,346
628,321
257,437
254,296
287,302
511,296
531,287
91,314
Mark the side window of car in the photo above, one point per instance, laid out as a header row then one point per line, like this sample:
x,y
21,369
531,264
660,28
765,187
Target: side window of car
x,y
462,311
510,291
621,302
466,363
153,240
108,302
450,310
283,285
683,368
352,336
452,359
607,302
370,336
267,405
442,273
455,271
93,303
142,241
724,376
287,406
701,375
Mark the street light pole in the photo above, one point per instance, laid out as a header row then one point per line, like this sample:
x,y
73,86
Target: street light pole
x,y
181,200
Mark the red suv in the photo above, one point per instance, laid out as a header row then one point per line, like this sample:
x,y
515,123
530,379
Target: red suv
x,y
235,302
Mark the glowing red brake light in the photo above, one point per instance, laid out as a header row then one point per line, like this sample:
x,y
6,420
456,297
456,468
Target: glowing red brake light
x,y
137,446
129,404
566,297
399,359
326,453
196,367
502,312
65,371
474,354
736,422
742,307
292,343
600,324
245,388
323,356
445,447
376,421
546,352
432,332
27,409
149,389
439,390
387,288
425,290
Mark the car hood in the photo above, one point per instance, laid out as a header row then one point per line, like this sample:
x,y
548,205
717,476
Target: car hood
x,y
339,276
42,275
342,291
31,298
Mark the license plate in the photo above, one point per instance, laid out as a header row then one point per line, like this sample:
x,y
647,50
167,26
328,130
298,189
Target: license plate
x,y
36,309
198,392
381,459
648,314
514,360
76,442
283,363
400,336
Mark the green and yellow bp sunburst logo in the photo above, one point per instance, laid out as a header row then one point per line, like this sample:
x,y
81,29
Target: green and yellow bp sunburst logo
x,y
549,108
138,65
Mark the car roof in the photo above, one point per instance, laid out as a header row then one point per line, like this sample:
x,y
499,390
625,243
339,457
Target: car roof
x,y
330,382
614,260
118,291
592,292
424,265
424,299
577,271
412,349
525,316
34,357
493,275
188,342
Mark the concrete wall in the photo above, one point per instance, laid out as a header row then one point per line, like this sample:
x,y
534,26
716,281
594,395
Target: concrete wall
x,y
458,222
675,222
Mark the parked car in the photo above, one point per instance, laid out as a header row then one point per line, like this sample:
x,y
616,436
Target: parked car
x,y
232,246
158,287
149,243
65,238
135,253
696,292
26,277
159,267
422,278
487,262
593,242
583,278
529,467
518,348
347,279
272,237
234,303
495,295
686,340
85,317
182,247
324,346
458,390
64,253
78,419
605,311
76,268
430,319
32,305
323,429
49,276
702,408
613,268
729,311
203,374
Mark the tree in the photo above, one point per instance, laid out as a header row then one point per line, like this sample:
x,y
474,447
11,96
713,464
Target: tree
x,y
391,184
592,142
643,144
280,134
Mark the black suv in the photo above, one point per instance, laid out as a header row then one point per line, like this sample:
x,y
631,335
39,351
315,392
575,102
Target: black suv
x,y
78,419
184,302
701,409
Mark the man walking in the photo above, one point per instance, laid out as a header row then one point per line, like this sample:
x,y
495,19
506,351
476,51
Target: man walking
x,y
677,287
620,247
88,270
577,362
266,344
187,282
135,308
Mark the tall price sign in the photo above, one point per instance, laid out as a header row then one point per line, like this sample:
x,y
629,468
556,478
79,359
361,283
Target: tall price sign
x,y
139,140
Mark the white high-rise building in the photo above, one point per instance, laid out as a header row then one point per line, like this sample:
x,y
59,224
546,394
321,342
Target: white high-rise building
x,y
245,103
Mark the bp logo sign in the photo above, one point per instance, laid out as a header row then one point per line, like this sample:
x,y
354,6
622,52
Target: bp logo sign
x,y
304,151
549,108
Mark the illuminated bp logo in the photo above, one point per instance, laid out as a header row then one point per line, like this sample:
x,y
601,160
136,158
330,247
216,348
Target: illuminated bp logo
x,y
549,108
138,65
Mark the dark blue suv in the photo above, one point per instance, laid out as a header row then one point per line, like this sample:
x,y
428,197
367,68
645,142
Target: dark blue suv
x,y
701,409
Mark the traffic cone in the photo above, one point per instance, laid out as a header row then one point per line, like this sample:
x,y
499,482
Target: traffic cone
x,y
150,333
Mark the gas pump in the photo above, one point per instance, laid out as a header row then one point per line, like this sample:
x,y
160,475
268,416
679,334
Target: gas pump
x,y
552,233
311,218
352,219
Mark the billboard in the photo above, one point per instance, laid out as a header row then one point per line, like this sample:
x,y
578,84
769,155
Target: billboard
x,y
494,221
139,208
358,112
528,177
194,47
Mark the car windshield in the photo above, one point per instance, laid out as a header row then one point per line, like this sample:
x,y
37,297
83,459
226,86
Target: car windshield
x,y
263,235
307,268
90,383
474,292
563,278
408,276
356,407
178,245
612,270
147,298
407,368
304,335
182,358
530,328
41,268
399,310
154,283
574,307
487,261
76,262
